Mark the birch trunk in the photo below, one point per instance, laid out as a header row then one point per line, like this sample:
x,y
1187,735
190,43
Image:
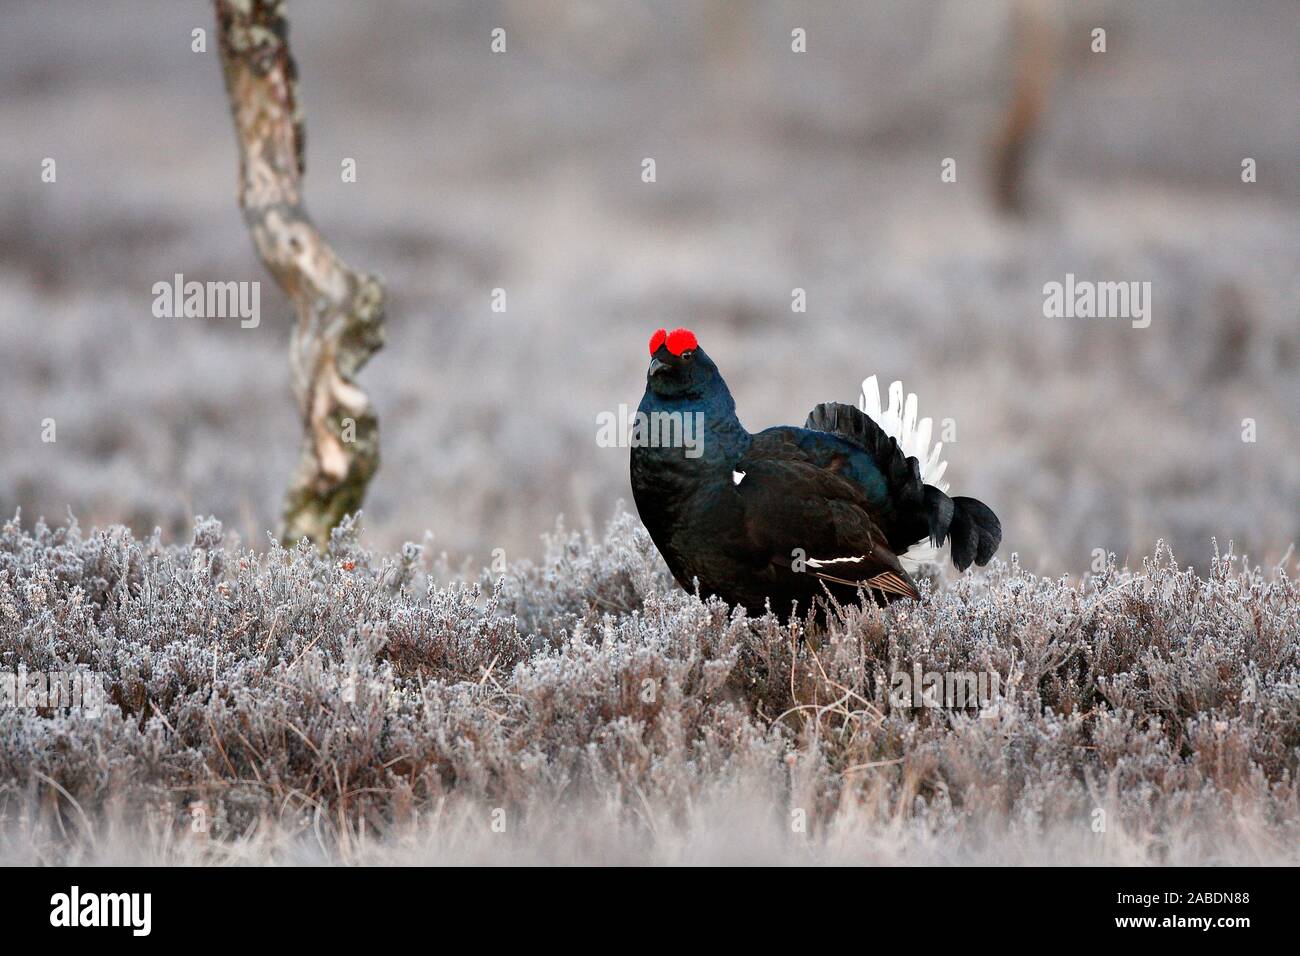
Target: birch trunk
x,y
340,311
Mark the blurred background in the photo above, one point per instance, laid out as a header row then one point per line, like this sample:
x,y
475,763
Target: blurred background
x,y
775,170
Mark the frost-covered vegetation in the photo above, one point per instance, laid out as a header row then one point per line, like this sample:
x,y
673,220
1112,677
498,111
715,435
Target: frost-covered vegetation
x,y
288,706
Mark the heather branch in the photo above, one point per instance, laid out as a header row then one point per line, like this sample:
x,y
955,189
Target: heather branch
x,y
340,311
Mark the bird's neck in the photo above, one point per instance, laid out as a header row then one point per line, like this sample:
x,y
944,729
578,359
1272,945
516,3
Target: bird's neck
x,y
701,430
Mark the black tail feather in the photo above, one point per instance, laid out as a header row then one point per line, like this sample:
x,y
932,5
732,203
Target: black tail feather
x,y
963,538
976,532
938,512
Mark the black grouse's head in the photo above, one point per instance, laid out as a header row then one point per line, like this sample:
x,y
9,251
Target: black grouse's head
x,y
678,366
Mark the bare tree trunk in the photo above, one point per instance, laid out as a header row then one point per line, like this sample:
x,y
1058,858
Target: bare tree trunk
x,y
340,312
1033,53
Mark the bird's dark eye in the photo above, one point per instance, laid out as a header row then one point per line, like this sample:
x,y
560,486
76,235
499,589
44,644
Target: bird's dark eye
x,y
688,355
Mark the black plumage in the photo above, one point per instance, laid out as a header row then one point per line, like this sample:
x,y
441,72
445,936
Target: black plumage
x,y
785,515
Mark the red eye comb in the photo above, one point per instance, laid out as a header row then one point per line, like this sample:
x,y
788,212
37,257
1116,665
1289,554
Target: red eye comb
x,y
681,340
657,340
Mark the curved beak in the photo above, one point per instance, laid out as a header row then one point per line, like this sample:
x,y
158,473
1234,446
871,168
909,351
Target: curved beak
x,y
657,366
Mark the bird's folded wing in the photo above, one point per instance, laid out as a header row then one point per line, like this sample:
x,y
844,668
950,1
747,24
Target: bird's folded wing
x,y
809,518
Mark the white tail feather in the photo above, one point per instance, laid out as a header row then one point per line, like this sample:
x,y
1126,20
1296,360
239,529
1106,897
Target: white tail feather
x,y
899,421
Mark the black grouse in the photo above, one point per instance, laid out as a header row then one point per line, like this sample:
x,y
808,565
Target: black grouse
x,y
782,516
